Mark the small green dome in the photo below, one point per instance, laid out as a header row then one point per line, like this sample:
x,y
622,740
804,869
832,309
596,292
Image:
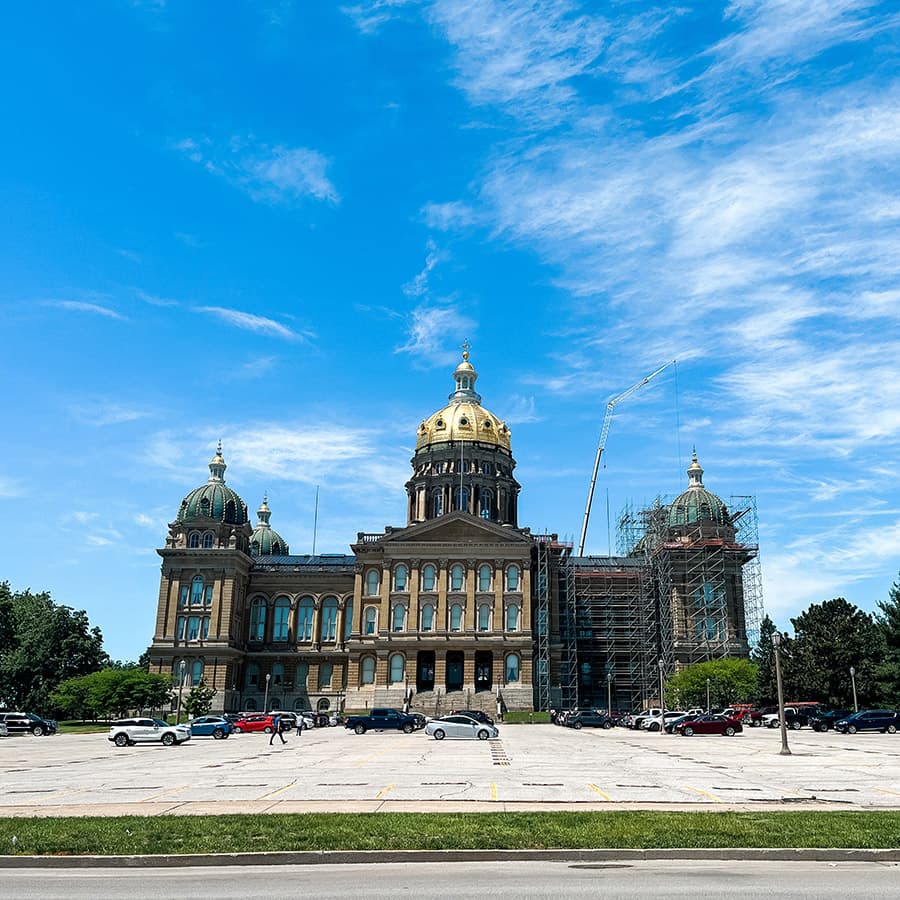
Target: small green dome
x,y
697,505
265,541
214,500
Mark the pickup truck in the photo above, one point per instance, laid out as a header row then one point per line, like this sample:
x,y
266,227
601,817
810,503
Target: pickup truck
x,y
382,720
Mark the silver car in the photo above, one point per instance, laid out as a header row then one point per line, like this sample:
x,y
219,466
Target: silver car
x,y
460,727
126,732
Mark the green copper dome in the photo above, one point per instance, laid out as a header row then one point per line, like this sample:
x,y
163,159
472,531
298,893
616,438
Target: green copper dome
x,y
697,505
265,541
214,500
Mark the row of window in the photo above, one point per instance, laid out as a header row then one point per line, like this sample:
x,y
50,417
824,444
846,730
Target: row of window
x,y
191,673
455,579
253,679
197,593
206,540
192,628
281,616
397,669
427,616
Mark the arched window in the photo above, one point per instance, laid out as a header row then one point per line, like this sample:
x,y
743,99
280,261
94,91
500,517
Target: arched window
x,y
204,628
326,670
258,619
397,617
348,618
512,617
371,619
512,578
277,676
437,501
302,675
455,617
484,617
250,704
484,578
486,510
194,540
512,668
398,668
251,679
305,613
329,619
197,591
208,540
281,619
486,466
427,617
372,580
367,670
428,577
461,498
456,578
401,574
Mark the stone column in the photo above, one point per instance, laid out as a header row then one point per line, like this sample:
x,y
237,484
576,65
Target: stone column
x,y
497,624
412,613
316,624
384,615
471,584
440,669
469,670
441,623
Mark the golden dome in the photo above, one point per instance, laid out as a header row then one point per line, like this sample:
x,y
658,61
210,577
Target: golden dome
x,y
464,418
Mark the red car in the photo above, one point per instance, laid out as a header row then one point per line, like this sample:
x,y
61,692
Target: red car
x,y
255,723
709,724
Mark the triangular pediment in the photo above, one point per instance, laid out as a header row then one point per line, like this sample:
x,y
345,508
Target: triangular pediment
x,y
457,527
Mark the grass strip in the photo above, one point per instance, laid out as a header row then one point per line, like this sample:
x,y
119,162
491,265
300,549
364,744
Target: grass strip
x,y
445,831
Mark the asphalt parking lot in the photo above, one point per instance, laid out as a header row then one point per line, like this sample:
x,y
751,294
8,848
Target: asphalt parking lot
x,y
528,767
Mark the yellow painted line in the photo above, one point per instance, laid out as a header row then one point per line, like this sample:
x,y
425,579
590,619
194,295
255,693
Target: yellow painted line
x,y
278,791
597,790
493,791
705,794
184,787
384,792
886,791
66,794
369,759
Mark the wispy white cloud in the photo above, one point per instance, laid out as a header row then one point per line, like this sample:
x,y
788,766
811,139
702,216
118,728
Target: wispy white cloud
x,y
267,173
11,487
520,410
419,285
82,306
447,216
252,322
106,412
429,328
154,300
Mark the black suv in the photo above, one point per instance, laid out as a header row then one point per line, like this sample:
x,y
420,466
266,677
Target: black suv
x,y
824,721
475,714
589,718
27,723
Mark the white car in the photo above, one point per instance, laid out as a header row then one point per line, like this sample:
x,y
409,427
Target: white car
x,y
126,732
460,727
652,723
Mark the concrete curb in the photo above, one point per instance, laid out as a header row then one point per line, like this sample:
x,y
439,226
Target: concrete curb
x,y
369,857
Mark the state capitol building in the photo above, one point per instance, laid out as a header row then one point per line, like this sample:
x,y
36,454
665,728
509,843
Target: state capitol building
x,y
461,607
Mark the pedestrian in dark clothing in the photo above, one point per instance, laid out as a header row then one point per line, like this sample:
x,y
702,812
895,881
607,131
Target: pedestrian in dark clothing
x,y
276,729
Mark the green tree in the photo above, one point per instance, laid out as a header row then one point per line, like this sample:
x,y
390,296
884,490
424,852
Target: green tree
x,y
730,681
764,656
112,692
199,701
42,645
888,673
829,638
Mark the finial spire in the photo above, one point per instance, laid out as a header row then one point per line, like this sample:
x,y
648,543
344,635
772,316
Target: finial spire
x,y
465,349
217,465
465,377
695,471
264,512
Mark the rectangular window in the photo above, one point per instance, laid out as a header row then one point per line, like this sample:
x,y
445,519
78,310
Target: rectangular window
x,y
182,600
179,628
193,631
204,628
427,618
325,672
207,596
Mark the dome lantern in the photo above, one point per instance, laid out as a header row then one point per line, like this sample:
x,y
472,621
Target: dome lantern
x,y
465,377
214,500
265,541
697,505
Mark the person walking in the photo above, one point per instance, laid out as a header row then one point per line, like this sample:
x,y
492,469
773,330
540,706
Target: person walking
x,y
299,724
276,729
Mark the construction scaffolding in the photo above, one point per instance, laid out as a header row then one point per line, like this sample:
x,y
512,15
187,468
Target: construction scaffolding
x,y
541,676
568,632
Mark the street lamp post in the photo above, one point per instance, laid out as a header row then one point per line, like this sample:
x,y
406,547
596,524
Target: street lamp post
x,y
776,643
662,695
707,695
181,668
853,682
266,698
609,693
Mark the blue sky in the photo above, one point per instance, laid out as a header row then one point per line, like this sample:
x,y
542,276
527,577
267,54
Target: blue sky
x,y
275,223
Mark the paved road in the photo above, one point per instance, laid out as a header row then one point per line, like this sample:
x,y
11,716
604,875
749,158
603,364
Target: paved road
x,y
441,880
530,766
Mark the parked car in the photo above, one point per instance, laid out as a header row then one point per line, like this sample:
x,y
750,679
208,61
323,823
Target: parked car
x,y
709,724
672,723
589,718
793,718
255,722
460,727
126,732
27,723
824,721
638,720
382,719
883,720
217,727
4,731
652,724
475,714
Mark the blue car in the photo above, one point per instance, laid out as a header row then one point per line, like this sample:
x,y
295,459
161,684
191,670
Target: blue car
x,y
883,720
211,726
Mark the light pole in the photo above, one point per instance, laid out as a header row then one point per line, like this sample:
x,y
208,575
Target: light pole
x,y
853,681
662,701
776,643
609,693
181,668
266,698
707,696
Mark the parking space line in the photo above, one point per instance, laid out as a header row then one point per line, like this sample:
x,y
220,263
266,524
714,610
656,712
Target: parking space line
x,y
384,792
277,791
886,791
493,791
369,759
597,790
705,794
66,793
184,787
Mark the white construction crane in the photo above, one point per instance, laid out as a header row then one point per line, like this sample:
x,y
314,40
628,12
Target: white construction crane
x,y
604,431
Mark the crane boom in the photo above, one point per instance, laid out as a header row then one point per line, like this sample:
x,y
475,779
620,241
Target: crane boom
x,y
604,432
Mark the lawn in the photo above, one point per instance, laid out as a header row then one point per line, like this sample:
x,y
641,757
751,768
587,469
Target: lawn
x,y
440,831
